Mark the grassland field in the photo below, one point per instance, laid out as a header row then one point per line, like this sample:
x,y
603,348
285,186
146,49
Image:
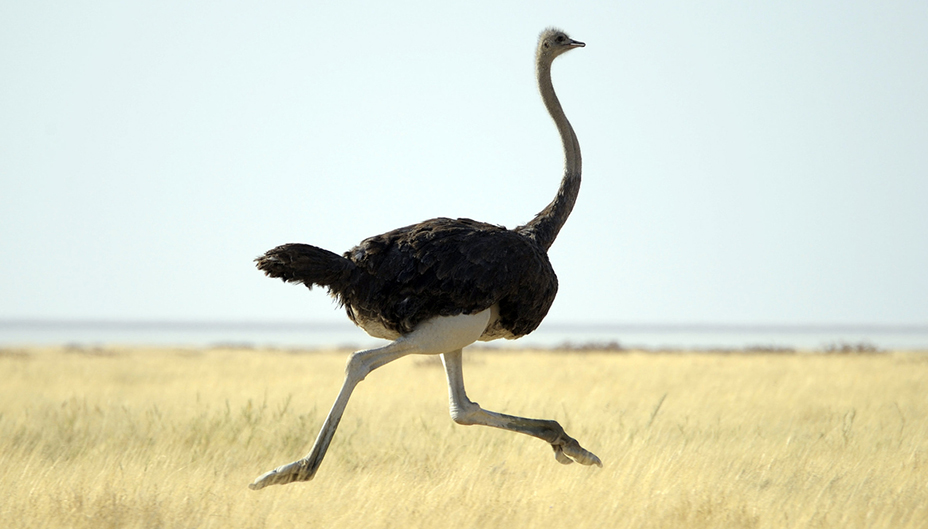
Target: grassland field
x,y
145,438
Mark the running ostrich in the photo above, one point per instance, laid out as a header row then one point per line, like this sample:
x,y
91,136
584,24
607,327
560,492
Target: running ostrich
x,y
440,285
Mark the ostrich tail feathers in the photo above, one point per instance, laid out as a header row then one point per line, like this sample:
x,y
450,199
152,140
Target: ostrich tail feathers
x,y
309,265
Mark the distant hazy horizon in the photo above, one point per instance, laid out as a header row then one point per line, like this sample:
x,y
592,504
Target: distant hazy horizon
x,y
316,334
290,323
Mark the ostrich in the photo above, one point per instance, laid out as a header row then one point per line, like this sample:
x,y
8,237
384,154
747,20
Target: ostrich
x,y
440,285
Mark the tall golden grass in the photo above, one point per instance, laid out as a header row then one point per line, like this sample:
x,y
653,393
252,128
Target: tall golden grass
x,y
171,438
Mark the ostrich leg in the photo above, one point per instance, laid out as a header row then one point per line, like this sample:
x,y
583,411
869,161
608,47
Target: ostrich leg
x,y
431,337
359,365
464,411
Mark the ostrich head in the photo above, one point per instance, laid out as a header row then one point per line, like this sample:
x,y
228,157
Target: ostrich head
x,y
553,42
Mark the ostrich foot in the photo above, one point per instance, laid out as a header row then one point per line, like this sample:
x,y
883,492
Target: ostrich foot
x,y
301,470
567,450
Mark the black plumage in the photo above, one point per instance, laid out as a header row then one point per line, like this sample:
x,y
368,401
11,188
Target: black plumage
x,y
440,267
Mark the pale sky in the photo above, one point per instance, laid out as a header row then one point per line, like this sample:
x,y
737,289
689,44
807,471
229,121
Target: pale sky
x,y
743,162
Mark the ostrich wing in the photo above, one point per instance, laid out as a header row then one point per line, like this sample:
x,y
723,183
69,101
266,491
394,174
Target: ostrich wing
x,y
445,267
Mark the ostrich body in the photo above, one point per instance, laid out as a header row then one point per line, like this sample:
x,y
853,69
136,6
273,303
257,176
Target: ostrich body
x,y
440,285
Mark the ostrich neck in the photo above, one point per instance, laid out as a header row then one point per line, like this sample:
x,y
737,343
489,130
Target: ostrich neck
x,y
548,222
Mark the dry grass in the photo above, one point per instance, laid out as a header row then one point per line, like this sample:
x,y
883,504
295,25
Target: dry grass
x,y
171,438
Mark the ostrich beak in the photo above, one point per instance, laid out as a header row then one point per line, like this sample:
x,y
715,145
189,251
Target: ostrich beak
x,y
576,44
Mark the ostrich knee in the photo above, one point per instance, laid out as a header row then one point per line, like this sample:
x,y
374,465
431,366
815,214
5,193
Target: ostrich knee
x,y
466,414
356,369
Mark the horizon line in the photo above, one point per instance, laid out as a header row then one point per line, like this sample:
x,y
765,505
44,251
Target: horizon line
x,y
555,326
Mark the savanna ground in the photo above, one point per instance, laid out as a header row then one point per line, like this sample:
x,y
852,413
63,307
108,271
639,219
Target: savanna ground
x,y
116,437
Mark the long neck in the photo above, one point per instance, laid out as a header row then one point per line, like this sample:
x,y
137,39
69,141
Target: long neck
x,y
548,222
